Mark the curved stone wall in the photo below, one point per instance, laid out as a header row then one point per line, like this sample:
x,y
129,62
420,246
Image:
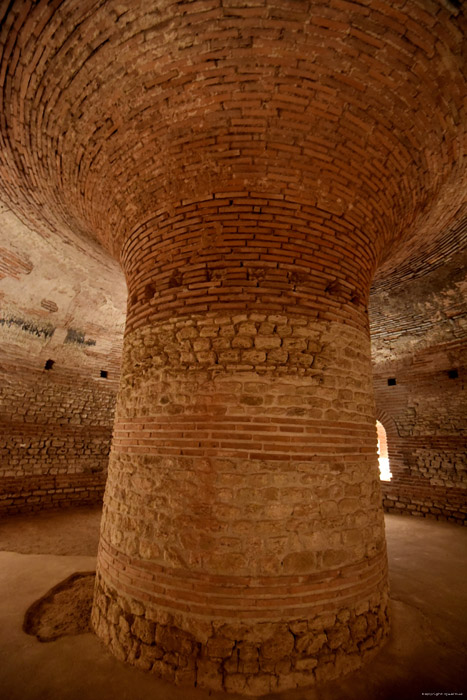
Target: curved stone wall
x,y
59,309
418,343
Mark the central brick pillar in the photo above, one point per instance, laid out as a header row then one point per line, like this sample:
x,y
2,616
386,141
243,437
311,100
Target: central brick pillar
x,y
242,541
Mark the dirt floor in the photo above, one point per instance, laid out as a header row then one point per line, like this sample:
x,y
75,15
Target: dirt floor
x,y
424,657
67,532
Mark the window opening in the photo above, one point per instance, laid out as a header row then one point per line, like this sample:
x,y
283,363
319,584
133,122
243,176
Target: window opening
x,y
383,458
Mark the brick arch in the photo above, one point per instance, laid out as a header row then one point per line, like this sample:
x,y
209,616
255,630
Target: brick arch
x,y
388,422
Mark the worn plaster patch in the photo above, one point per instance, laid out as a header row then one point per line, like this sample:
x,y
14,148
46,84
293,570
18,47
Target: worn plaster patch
x,y
64,610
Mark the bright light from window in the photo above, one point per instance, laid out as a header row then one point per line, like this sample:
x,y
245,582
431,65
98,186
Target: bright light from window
x,y
385,472
383,459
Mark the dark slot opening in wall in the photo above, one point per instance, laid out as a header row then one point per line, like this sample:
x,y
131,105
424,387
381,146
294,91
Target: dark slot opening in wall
x,y
453,374
392,381
104,373
49,364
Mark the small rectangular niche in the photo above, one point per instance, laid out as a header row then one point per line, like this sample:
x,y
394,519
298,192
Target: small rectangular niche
x,y
392,381
49,364
104,374
453,373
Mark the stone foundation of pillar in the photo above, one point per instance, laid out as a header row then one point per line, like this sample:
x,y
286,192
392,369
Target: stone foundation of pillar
x,y
242,543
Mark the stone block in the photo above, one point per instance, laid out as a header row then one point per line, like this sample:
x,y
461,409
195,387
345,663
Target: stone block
x,y
267,342
219,647
253,357
235,683
248,329
279,646
306,664
260,684
144,630
209,674
299,562
164,671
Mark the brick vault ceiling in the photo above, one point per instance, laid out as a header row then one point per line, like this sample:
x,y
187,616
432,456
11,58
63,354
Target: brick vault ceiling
x,y
111,109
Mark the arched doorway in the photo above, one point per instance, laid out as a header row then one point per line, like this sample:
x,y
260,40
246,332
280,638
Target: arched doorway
x,y
383,458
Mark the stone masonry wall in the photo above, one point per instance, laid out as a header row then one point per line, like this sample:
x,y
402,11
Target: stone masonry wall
x,y
62,307
418,330
424,415
55,432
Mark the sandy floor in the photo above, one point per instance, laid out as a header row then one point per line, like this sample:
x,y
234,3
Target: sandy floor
x,y
425,654
68,532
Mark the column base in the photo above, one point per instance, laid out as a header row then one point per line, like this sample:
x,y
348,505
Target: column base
x,y
249,658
